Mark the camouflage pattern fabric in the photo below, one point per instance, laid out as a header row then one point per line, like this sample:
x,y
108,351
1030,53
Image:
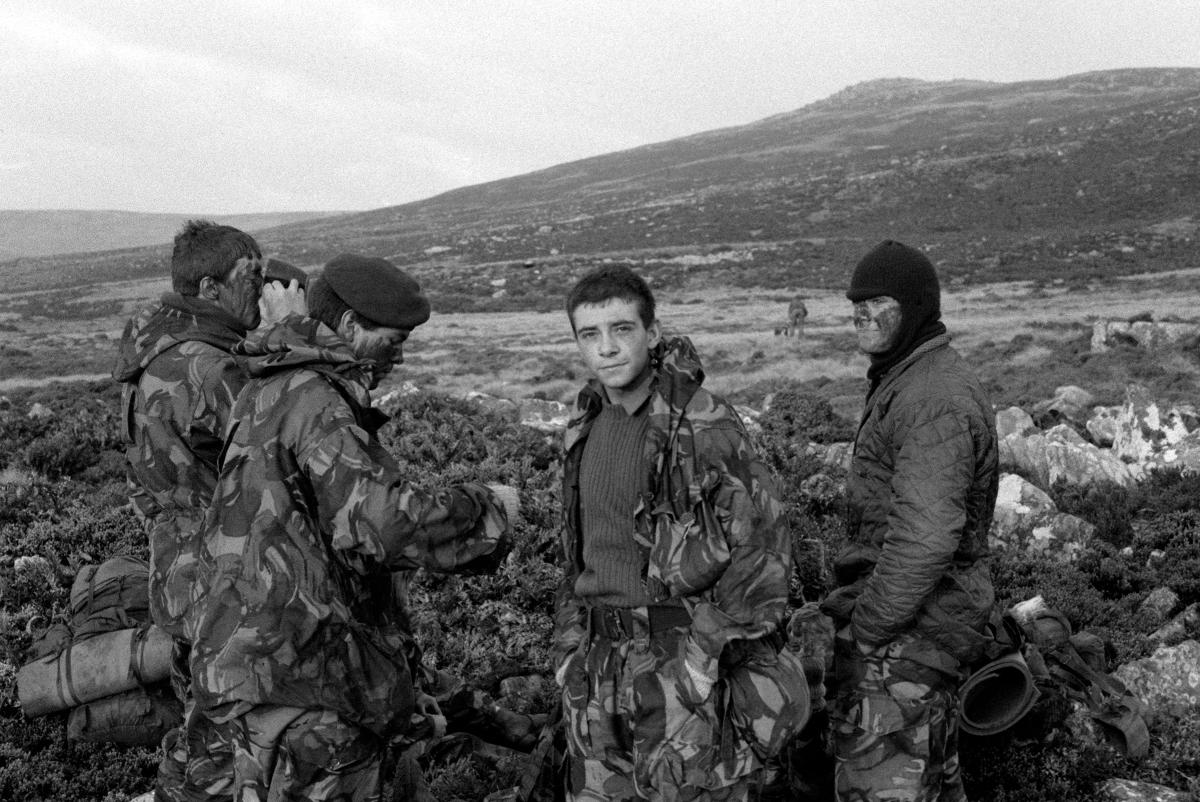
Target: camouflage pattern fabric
x,y
711,527
292,754
180,380
895,725
632,735
197,761
198,764
295,603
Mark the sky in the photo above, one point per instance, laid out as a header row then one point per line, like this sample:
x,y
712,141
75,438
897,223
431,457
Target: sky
x,y
238,106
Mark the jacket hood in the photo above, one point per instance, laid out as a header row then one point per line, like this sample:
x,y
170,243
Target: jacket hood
x,y
302,342
177,319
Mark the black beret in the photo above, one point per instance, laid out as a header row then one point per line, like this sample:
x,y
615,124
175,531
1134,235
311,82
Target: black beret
x,y
378,290
284,272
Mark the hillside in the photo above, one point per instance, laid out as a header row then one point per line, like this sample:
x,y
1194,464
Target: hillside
x,y
1087,176
45,232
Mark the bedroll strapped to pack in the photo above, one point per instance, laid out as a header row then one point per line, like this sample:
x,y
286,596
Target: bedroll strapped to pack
x,y
108,661
1040,658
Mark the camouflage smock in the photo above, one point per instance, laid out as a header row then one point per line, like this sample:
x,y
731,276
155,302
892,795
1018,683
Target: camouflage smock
x,y
180,383
295,602
921,491
709,520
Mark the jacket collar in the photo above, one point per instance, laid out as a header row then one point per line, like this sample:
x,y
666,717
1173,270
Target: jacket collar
x,y
175,320
303,342
941,341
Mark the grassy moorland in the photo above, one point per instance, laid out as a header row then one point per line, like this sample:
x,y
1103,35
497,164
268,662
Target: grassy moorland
x,y
1046,205
64,499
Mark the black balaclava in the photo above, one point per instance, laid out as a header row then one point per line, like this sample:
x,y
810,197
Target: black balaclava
x,y
904,273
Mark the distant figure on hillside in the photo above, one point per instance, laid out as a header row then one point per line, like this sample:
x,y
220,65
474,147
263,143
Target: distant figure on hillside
x,y
676,572
914,589
797,314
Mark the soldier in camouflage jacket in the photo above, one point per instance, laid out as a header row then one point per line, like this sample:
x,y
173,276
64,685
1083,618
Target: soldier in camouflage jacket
x,y
648,711
299,638
180,380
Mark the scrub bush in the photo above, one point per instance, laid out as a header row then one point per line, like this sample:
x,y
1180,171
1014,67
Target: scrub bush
x,y
485,629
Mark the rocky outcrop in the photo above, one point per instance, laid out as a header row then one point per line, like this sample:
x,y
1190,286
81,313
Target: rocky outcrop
x,y
1144,433
837,455
545,416
1185,624
1142,333
1104,426
1061,453
1155,608
1168,680
39,411
1069,403
1026,519
1014,420
1117,790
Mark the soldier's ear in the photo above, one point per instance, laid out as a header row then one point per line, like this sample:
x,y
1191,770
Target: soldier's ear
x,y
654,330
208,288
347,325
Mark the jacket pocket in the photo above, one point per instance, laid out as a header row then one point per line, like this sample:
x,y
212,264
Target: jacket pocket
x,y
956,614
690,551
767,699
877,713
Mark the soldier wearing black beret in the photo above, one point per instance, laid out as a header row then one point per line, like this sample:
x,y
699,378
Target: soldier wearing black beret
x,y
309,651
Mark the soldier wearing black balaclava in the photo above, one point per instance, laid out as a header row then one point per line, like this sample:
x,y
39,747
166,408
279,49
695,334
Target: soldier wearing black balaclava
x,y
914,590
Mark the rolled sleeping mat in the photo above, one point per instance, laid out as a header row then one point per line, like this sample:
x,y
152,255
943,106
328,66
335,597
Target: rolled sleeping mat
x,y
94,668
996,696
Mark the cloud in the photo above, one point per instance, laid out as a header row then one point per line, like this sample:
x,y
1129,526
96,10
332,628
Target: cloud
x,y
299,104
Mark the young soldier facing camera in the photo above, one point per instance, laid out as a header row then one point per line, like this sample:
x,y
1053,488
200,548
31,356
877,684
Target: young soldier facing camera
x,y
677,560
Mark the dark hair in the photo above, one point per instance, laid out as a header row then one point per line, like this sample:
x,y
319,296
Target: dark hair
x,y
327,306
609,282
203,248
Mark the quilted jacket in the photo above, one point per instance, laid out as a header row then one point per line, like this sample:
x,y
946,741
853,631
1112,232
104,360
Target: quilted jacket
x,y
921,491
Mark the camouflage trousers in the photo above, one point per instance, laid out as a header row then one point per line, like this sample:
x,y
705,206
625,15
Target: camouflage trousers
x,y
292,754
197,761
631,736
895,723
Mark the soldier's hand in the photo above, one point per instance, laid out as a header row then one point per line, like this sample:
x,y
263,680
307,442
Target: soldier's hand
x,y
278,302
427,706
511,501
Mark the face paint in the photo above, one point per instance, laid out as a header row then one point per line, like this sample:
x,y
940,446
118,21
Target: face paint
x,y
877,323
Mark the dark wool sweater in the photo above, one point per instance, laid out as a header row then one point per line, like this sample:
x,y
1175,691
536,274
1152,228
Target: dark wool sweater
x,y
608,488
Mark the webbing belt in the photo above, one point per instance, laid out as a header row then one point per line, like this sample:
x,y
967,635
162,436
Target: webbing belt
x,y
623,623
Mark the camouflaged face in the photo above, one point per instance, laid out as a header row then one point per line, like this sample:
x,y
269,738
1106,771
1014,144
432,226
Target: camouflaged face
x,y
712,528
180,381
295,601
